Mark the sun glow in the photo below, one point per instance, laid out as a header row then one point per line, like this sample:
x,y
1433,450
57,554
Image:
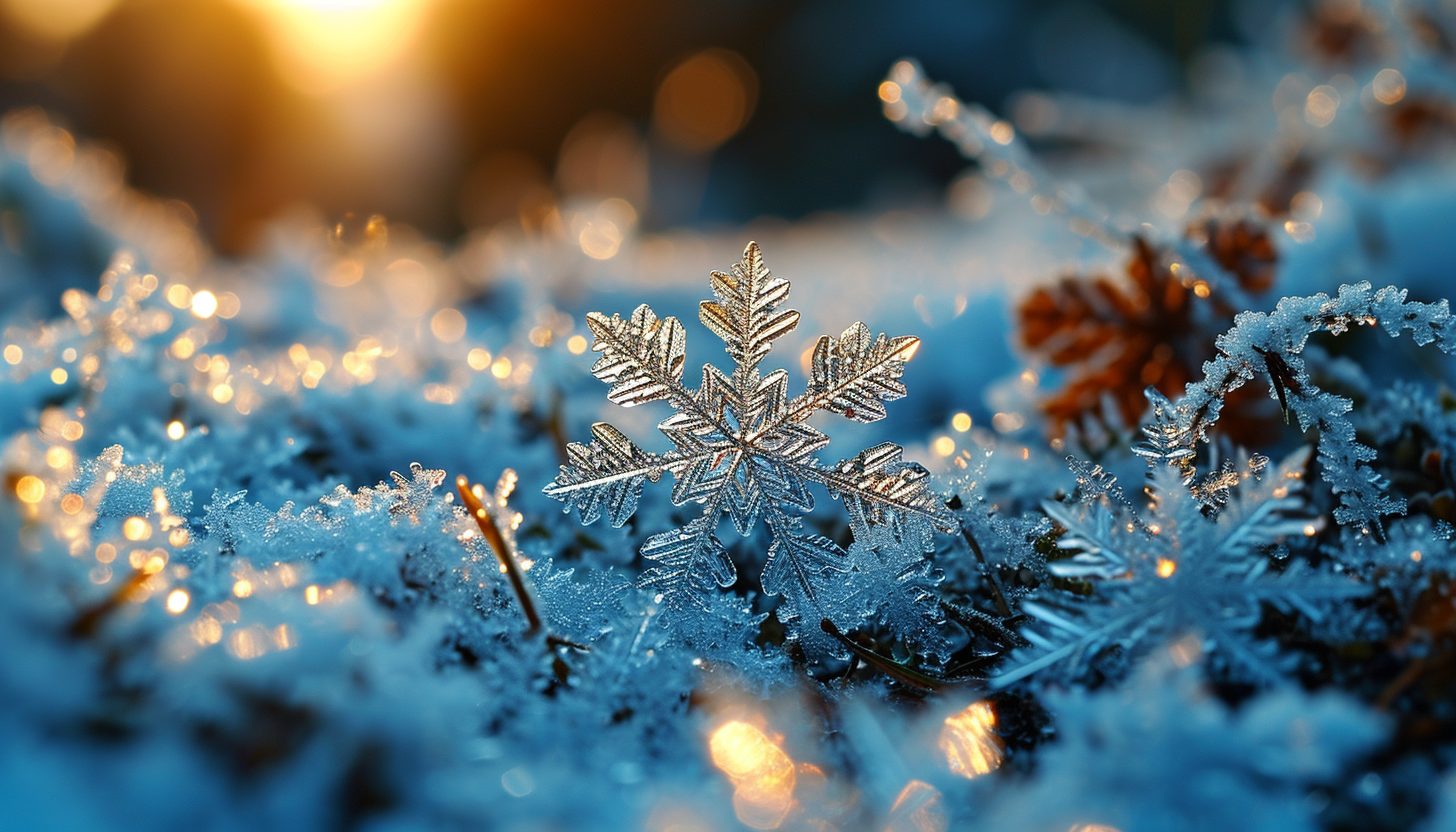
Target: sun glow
x,y
324,45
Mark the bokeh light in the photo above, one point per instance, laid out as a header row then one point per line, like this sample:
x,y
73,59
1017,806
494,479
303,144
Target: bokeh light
x,y
705,99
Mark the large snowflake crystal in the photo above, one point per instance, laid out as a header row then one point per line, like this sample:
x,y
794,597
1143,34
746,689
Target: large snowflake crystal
x,y
743,446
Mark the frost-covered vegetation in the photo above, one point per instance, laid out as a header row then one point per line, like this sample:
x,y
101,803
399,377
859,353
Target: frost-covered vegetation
x,y
1159,547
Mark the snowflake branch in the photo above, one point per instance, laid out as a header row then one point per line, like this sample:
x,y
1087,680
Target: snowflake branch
x,y
853,375
917,504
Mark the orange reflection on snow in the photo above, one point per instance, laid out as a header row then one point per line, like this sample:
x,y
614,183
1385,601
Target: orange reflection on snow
x,y
762,774
918,808
969,741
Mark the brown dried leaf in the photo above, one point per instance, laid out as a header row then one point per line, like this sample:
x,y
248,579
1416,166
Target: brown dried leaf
x,y
1119,337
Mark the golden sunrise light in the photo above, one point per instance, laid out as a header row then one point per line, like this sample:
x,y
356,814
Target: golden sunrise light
x,y
324,45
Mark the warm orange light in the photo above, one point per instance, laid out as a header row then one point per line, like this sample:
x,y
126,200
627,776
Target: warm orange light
x,y
918,808
448,325
761,772
1388,86
30,489
58,457
705,99
1166,568
249,643
177,601
324,45
136,528
204,304
56,20
969,741
501,369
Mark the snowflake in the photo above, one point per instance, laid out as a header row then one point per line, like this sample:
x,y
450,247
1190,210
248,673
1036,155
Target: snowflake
x,y
743,447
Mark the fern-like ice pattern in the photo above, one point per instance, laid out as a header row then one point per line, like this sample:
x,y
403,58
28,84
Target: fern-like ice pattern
x,y
742,446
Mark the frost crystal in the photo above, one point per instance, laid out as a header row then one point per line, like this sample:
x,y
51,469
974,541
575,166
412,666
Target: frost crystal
x,y
1174,570
743,447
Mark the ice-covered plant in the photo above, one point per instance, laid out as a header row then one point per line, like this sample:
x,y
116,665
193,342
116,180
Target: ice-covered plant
x,y
1271,344
1186,760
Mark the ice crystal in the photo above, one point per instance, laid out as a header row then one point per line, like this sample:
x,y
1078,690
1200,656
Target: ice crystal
x,y
743,447
1402,564
999,542
1173,570
1414,431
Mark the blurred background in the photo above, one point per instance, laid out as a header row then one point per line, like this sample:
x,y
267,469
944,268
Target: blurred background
x,y
456,114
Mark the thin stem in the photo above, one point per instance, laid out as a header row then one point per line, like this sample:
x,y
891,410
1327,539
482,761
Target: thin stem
x,y
889,667
88,619
989,573
503,553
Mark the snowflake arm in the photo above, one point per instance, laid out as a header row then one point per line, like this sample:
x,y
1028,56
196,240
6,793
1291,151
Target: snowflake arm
x,y
877,488
642,356
683,555
855,374
745,314
606,475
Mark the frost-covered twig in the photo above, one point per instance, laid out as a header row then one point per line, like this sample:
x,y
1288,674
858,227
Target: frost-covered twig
x,y
474,500
918,105
1272,343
